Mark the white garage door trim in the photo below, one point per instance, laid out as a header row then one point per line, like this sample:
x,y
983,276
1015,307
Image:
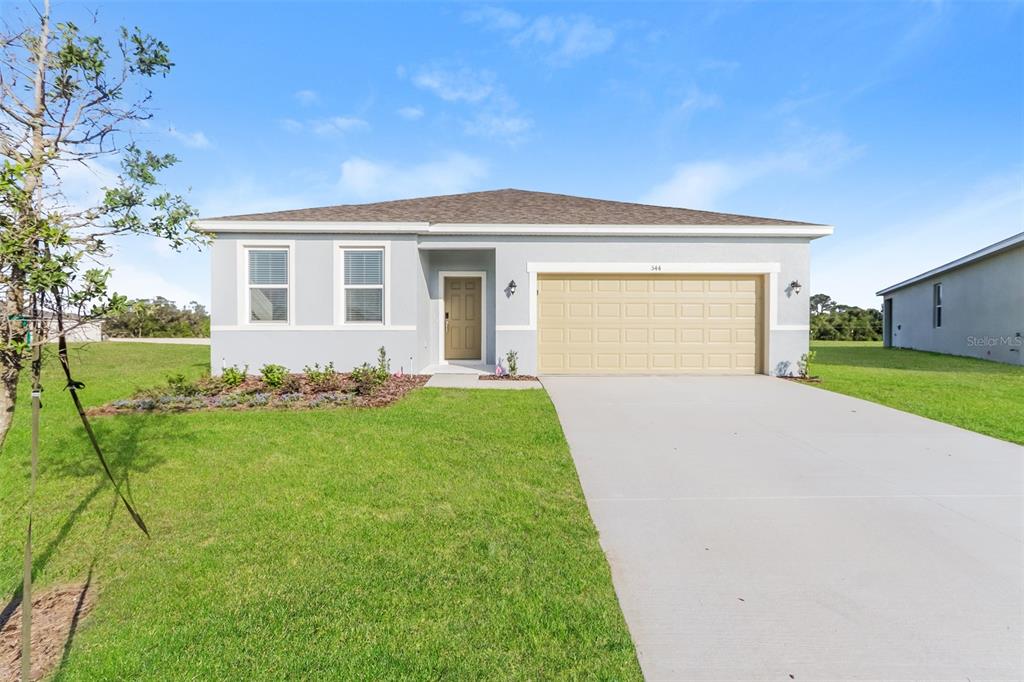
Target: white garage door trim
x,y
634,320
771,269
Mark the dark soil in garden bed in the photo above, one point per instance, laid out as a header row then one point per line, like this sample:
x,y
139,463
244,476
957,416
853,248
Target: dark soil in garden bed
x,y
803,380
507,377
297,392
56,614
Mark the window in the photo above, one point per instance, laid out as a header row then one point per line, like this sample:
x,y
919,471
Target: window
x,y
364,285
937,305
268,285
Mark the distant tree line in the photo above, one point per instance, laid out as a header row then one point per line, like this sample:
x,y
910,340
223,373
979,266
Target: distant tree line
x,y
831,321
158,317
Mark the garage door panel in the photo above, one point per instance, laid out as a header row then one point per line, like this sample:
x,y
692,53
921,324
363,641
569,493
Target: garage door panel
x,y
648,324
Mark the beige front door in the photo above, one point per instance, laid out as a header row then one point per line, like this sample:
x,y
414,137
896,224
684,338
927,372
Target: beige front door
x,y
649,324
462,305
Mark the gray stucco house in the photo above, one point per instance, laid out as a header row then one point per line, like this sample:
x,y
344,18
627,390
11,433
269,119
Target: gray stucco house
x,y
573,285
972,306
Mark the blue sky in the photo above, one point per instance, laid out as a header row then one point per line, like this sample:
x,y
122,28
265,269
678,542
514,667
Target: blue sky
x,y
902,124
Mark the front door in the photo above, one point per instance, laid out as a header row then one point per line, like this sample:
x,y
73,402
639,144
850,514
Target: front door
x,y
462,304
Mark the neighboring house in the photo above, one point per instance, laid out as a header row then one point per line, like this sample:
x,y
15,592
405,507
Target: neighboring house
x,y
75,330
972,306
572,285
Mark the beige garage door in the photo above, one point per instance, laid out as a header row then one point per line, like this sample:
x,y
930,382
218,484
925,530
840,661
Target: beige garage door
x,y
649,324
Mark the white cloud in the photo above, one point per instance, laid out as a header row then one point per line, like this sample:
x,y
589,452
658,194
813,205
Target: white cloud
x,y
307,97
196,140
368,180
563,39
134,281
570,38
509,128
411,113
697,100
495,18
495,112
857,261
79,186
454,85
332,125
337,124
702,184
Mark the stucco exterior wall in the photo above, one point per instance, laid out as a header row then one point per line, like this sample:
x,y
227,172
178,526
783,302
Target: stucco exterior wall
x,y
982,311
413,298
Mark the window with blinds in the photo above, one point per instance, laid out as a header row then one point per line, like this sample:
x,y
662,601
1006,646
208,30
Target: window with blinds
x,y
268,285
363,285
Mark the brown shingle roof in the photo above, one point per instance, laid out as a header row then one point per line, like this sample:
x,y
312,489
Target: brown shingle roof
x,y
514,207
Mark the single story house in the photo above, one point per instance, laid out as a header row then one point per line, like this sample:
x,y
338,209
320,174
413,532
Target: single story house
x,y
572,285
972,306
75,329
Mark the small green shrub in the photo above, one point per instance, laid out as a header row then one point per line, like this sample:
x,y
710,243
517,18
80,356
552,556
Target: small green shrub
x,y
325,379
512,358
804,366
179,385
233,377
274,375
368,378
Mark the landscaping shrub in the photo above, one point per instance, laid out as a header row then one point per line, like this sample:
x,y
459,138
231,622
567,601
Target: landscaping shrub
x,y
179,385
292,384
274,375
512,358
325,379
232,376
368,378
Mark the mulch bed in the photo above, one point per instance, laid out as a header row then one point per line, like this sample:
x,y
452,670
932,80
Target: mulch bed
x,y
297,393
507,377
803,380
56,613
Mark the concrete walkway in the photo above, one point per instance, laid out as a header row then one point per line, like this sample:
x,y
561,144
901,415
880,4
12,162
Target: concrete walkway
x,y
763,530
474,381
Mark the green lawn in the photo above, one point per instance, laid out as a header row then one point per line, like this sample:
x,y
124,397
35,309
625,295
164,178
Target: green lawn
x,y
444,537
983,396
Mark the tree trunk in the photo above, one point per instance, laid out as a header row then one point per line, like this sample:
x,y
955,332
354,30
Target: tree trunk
x,y
8,397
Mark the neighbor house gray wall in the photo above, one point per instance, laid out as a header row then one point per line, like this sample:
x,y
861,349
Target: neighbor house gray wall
x,y
982,311
413,298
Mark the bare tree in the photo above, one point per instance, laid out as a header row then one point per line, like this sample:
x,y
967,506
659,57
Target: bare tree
x,y
71,101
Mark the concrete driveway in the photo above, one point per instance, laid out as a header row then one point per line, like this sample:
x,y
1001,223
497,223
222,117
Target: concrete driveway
x,y
763,530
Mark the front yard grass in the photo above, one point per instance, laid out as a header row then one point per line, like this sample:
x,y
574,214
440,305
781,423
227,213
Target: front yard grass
x,y
443,537
982,396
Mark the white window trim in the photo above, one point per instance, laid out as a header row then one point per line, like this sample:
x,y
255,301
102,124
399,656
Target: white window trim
x,y
340,246
442,275
938,294
243,281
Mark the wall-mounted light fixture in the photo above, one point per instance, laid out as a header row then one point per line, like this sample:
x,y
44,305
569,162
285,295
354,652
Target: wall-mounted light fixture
x,y
511,287
795,286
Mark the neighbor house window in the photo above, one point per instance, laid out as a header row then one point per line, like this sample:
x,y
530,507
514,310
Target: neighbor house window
x,y
268,285
937,305
364,285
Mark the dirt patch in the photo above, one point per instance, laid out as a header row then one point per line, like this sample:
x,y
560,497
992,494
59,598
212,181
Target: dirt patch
x,y
56,614
803,380
507,377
